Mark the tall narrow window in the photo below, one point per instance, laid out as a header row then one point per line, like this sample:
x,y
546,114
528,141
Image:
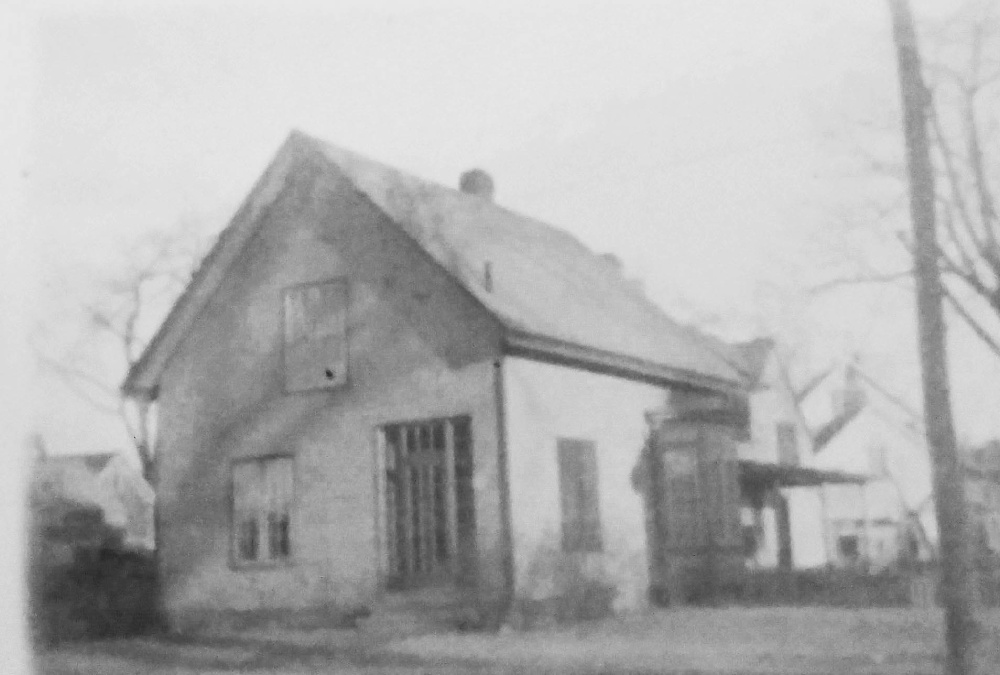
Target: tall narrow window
x,y
262,498
316,336
685,518
788,445
581,517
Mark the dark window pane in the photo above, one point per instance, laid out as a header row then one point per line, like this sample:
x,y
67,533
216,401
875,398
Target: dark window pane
x,y
262,497
247,544
277,532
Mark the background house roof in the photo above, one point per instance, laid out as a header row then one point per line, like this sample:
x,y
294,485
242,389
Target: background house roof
x,y
752,357
547,289
828,431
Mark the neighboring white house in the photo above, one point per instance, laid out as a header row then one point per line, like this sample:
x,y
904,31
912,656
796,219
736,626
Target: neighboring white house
x,y
779,434
106,480
782,485
859,426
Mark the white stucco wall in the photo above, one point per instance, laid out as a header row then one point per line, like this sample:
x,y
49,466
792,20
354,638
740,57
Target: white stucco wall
x,y
809,536
546,402
876,431
871,433
771,404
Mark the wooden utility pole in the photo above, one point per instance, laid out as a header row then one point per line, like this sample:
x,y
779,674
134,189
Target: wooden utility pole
x,y
957,589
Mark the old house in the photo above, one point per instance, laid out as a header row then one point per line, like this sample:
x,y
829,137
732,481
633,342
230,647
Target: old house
x,y
375,385
783,485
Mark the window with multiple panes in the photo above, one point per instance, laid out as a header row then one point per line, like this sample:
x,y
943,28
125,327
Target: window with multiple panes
x,y
316,335
430,504
581,519
262,500
788,443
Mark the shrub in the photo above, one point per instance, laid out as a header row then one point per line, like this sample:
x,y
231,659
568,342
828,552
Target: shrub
x,y
828,587
573,587
103,593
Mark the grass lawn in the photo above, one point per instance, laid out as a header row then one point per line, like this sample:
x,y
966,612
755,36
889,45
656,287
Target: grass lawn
x,y
764,640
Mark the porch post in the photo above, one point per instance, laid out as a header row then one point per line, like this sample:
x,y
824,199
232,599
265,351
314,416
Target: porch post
x,y
866,536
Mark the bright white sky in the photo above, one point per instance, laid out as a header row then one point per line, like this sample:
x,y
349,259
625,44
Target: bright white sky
x,y
688,137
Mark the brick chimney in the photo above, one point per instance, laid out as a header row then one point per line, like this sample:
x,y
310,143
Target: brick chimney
x,y
612,261
477,182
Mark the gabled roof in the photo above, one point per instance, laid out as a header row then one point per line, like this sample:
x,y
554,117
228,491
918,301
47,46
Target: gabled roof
x,y
554,298
752,358
903,416
810,386
830,430
747,358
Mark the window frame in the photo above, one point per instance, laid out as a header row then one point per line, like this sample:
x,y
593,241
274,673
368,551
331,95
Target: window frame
x,y
237,562
587,535
793,433
340,379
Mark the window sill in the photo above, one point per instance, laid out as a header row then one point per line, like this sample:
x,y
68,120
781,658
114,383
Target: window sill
x,y
260,565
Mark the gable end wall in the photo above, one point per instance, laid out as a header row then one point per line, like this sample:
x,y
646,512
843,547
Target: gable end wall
x,y
418,347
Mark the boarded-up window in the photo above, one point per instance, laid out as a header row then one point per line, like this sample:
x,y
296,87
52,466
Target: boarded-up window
x,y
262,500
316,336
788,444
581,518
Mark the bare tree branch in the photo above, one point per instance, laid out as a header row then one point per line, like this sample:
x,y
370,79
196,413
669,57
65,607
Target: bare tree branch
x,y
74,378
970,321
987,205
957,242
117,312
950,266
859,280
951,172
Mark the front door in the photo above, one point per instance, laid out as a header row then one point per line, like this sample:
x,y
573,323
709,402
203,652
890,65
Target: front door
x,y
430,518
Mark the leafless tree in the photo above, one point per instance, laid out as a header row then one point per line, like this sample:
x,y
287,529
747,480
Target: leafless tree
x,y
962,72
115,315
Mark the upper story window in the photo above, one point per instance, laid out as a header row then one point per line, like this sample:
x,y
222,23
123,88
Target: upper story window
x,y
316,336
788,443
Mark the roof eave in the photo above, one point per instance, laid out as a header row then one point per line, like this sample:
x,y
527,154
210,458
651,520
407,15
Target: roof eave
x,y
142,379
560,352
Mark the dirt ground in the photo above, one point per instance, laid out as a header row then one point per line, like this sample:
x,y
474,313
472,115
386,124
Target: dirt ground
x,y
730,641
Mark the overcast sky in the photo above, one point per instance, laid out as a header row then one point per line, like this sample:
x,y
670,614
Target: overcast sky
x,y
691,138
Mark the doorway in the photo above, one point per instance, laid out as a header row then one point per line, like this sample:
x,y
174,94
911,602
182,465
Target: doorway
x,y
429,502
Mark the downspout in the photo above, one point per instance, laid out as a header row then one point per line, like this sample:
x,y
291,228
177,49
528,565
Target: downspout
x,y
506,527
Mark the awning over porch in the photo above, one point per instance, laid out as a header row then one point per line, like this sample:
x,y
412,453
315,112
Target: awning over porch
x,y
787,475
